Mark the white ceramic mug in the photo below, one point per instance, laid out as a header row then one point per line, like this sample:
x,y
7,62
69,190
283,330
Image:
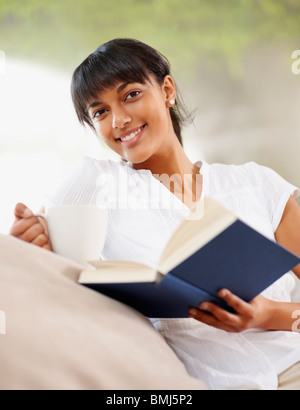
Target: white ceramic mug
x,y
77,232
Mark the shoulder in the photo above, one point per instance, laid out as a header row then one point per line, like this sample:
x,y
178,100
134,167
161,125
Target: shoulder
x,y
89,170
250,175
98,165
250,172
231,177
82,183
252,181
233,169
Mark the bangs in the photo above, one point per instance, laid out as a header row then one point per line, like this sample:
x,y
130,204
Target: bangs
x,y
102,73
98,73
118,61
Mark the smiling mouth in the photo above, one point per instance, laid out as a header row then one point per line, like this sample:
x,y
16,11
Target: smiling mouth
x,y
132,134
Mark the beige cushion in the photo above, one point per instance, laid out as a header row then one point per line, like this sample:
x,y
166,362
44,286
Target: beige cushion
x,y
60,335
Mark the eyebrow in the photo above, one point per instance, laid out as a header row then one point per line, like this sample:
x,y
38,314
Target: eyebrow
x,y
119,89
122,87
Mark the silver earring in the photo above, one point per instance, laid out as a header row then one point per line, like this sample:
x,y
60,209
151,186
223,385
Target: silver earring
x,y
172,102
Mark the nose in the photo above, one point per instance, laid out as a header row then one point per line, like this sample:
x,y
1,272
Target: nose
x,y
120,118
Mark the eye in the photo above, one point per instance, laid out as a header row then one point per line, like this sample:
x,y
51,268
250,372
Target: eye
x,y
132,95
99,113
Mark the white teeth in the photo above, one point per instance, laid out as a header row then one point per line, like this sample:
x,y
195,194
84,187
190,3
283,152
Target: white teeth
x,y
130,136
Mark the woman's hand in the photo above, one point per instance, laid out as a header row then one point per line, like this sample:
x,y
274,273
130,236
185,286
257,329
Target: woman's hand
x,y
30,228
255,314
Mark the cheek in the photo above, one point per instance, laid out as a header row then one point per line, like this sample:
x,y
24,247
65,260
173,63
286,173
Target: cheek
x,y
102,130
103,135
156,114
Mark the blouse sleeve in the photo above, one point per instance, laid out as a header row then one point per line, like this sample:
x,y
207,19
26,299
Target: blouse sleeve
x,y
74,187
273,190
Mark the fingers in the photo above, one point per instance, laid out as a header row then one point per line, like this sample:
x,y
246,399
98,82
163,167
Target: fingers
x,y
21,226
210,320
240,306
42,240
33,232
214,315
22,211
29,228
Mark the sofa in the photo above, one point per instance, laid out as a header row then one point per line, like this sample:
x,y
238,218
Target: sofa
x,y
56,334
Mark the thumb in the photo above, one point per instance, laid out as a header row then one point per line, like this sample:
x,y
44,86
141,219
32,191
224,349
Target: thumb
x,y
22,211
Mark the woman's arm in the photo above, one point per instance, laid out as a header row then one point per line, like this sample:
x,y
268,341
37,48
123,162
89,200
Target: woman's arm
x,y
260,312
288,232
29,228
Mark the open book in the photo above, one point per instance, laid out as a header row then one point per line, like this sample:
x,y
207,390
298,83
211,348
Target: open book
x,y
209,251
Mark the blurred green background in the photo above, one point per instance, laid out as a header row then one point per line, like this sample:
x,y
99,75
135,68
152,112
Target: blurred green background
x,y
190,32
231,59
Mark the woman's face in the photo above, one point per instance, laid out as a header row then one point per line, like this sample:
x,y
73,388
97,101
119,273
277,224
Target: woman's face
x,y
133,119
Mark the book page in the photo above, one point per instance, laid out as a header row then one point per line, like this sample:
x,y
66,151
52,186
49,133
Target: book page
x,y
204,223
113,271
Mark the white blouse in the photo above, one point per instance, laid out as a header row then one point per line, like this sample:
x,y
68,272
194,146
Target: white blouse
x,y
143,214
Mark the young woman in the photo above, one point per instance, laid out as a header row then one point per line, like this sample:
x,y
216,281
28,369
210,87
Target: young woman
x,y
125,92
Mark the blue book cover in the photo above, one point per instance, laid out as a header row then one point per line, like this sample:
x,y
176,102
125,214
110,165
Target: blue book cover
x,y
212,249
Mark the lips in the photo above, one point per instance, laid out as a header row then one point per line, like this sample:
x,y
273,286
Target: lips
x,y
128,136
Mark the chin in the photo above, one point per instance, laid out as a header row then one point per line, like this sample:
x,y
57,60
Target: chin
x,y
136,159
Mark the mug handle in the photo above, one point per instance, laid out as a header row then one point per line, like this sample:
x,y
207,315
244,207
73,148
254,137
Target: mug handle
x,y
45,225
40,216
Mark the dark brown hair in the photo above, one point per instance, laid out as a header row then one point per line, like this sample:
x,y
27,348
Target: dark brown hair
x,y
121,60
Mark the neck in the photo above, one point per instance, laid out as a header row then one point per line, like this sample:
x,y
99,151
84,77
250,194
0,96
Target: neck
x,y
172,160
174,169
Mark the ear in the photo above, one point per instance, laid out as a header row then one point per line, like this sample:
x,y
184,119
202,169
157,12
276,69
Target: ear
x,y
169,89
